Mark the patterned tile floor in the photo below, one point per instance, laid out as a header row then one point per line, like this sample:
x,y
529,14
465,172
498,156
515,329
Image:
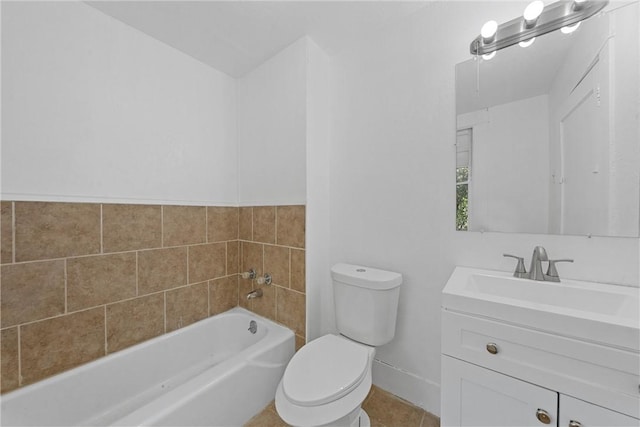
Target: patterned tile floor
x,y
384,409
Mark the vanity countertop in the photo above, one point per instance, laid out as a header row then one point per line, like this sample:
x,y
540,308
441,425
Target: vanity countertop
x,y
595,312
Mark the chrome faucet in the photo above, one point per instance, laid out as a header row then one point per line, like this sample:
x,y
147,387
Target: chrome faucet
x,y
535,270
256,293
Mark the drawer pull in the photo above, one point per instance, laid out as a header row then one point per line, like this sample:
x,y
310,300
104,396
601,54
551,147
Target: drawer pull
x,y
543,416
492,348
573,423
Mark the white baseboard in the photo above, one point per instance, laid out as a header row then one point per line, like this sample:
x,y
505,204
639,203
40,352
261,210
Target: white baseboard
x,y
419,391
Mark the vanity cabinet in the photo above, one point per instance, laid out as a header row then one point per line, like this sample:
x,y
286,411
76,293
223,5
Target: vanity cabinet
x,y
476,396
496,373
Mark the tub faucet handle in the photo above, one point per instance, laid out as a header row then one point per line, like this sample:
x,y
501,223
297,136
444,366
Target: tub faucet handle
x,y
520,271
251,274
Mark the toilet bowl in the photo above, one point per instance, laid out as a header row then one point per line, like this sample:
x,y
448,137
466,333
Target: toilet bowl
x,y
327,380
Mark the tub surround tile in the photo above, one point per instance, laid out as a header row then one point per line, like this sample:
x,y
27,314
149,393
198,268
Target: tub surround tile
x,y
244,287
291,310
55,345
207,262
100,279
183,225
430,420
80,280
252,257
6,232
233,257
186,306
264,224
134,321
265,305
223,294
245,223
56,230
32,291
298,270
161,269
131,227
276,263
222,224
9,365
300,341
290,226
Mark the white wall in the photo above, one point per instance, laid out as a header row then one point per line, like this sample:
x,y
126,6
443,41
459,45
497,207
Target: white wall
x,y
510,167
95,110
318,259
272,130
392,185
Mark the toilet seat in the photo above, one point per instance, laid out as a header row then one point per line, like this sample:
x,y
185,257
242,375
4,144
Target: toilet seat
x,y
325,370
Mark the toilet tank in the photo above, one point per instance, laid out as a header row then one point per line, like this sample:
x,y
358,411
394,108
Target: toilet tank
x,y
366,302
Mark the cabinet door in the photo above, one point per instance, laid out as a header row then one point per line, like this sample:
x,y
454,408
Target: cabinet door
x,y
577,413
475,396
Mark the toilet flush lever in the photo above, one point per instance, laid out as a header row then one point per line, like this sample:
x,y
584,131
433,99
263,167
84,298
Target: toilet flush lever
x,y
520,271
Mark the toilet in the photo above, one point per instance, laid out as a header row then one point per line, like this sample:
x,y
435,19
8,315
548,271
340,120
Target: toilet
x,y
327,380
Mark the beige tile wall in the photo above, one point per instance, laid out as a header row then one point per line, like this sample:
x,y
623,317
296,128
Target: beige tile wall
x,y
81,280
272,240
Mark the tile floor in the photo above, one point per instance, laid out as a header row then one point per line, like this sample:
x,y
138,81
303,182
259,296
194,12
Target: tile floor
x,y
384,409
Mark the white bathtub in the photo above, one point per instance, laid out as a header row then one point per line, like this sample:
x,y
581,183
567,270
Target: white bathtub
x,y
214,372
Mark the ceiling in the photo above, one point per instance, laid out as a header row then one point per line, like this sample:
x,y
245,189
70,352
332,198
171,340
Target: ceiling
x,y
236,36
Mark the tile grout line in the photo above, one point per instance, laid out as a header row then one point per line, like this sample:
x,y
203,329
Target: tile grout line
x,y
101,230
19,356
164,298
162,226
275,238
106,346
66,296
13,232
137,289
206,224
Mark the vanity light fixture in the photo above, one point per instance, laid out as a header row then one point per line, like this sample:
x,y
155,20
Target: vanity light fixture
x,y
536,21
532,12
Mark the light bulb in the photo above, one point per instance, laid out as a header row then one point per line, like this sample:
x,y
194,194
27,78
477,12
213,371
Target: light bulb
x,y
488,56
527,43
577,4
570,29
488,31
532,12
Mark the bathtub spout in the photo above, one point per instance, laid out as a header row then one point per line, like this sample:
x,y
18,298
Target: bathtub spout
x,y
254,294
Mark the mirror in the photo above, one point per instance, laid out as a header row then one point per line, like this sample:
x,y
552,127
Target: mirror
x,y
548,136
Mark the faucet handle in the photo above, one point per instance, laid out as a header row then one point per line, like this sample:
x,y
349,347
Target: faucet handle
x,y
552,272
520,270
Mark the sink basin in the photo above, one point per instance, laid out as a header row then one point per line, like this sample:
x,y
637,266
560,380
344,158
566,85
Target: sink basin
x,y
598,312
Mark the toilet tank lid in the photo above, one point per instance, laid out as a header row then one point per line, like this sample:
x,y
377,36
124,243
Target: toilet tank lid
x,y
365,277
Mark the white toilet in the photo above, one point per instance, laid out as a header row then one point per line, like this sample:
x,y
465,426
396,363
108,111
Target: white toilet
x,y
327,380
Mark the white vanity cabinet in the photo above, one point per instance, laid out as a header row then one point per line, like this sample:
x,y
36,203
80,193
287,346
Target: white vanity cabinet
x,y
475,396
499,374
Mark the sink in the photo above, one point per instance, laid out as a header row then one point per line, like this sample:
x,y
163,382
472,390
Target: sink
x,y
597,312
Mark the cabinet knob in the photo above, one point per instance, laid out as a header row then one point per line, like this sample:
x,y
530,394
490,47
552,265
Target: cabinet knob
x,y
574,423
543,416
492,348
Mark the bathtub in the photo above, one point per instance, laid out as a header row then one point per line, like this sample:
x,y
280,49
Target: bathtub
x,y
214,372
